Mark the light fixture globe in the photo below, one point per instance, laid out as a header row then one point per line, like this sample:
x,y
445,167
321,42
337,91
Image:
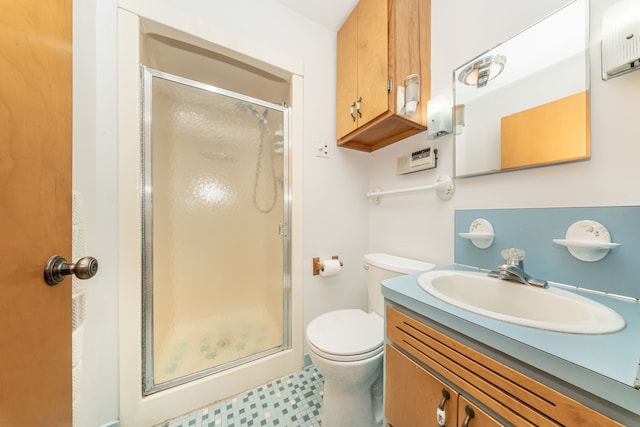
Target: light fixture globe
x,y
480,72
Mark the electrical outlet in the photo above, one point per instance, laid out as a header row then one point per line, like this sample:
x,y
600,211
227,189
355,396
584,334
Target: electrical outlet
x,y
323,151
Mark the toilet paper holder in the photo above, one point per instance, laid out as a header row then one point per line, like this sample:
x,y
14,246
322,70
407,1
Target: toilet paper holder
x,y
319,265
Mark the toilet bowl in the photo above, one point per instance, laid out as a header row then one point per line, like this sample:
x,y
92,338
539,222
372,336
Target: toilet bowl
x,y
347,348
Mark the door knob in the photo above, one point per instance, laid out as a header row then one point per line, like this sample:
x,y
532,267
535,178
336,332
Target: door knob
x,y
57,267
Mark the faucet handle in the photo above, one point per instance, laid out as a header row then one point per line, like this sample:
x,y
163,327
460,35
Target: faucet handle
x,y
513,256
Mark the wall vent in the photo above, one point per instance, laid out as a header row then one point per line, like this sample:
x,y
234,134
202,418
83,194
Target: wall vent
x,y
621,38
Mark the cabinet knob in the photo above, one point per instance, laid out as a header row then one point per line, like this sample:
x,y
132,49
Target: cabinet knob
x,y
470,414
358,107
351,111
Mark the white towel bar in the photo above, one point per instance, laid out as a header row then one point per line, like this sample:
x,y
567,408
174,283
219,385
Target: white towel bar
x,y
444,186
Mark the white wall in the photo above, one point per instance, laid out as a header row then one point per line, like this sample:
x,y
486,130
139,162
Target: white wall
x,y
338,220
421,225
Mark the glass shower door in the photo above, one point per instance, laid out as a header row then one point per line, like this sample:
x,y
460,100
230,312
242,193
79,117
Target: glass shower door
x,y
215,247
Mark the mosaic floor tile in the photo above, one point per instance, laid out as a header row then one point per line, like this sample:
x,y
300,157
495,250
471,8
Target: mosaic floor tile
x,y
293,401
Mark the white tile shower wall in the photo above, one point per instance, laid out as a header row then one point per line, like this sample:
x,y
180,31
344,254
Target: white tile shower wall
x,y
421,225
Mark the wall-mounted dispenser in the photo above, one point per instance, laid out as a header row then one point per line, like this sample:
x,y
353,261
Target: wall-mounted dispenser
x,y
411,93
438,116
620,38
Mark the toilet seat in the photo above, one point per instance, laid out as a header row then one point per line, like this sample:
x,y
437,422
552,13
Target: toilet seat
x,y
346,335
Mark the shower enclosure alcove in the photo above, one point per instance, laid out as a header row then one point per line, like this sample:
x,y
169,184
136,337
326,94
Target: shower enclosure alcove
x,y
214,198
215,212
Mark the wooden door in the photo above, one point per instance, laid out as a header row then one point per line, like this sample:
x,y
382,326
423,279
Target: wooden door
x,y
35,212
347,76
373,58
412,395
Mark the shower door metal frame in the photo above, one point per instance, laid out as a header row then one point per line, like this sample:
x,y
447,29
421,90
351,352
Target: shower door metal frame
x,y
148,387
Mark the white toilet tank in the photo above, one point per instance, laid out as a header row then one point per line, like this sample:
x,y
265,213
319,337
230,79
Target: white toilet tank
x,y
384,266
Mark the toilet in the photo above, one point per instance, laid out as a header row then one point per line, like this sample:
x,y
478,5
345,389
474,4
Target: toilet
x,y
347,348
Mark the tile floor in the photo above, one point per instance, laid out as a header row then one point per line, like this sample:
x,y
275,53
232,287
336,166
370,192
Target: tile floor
x,y
293,401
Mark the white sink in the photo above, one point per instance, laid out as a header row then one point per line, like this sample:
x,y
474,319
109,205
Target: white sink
x,y
551,309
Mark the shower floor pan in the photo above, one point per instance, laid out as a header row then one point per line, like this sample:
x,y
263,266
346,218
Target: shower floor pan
x,y
193,347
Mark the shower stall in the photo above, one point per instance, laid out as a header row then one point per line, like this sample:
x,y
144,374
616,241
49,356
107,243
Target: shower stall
x,y
210,264
215,216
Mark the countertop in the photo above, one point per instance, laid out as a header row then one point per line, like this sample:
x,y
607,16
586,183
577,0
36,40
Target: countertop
x,y
605,365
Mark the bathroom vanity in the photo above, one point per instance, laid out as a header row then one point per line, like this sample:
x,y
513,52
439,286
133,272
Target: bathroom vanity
x,y
468,370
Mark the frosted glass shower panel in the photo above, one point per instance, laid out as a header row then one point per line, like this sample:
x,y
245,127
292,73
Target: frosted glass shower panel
x,y
215,282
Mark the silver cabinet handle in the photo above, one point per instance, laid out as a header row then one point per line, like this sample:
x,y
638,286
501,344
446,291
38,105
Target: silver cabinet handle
x,y
351,111
57,267
358,107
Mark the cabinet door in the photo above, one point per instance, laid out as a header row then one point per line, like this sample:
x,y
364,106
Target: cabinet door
x,y
470,416
412,395
347,76
373,58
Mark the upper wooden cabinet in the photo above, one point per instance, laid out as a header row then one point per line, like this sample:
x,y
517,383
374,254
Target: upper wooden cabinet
x,y
380,44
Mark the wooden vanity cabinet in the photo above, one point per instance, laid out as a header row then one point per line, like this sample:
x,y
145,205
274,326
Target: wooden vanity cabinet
x,y
379,45
413,397
506,396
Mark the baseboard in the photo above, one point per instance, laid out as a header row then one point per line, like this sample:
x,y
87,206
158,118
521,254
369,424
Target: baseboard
x,y
307,361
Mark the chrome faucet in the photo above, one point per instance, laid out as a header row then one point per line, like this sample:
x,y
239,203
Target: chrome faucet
x,y
513,269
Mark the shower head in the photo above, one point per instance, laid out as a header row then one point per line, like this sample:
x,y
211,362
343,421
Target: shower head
x,y
249,108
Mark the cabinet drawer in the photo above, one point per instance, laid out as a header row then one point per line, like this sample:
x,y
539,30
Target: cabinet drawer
x,y
509,393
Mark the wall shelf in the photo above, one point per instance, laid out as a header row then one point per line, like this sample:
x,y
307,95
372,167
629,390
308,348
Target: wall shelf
x,y
480,233
587,241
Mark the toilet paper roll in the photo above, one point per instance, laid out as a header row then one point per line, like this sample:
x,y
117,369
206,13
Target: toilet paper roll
x,y
331,267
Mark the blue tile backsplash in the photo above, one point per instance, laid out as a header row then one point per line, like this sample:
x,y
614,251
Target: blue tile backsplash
x,y
533,229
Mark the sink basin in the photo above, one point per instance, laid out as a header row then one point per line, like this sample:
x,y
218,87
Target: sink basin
x,y
551,309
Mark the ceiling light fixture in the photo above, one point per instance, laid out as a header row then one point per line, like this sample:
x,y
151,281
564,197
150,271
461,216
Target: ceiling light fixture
x,y
480,72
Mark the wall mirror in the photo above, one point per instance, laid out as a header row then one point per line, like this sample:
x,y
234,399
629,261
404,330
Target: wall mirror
x,y
525,103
